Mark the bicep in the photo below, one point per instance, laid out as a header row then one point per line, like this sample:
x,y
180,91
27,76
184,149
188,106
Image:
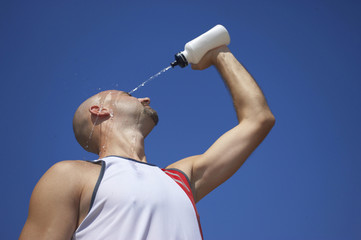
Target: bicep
x,y
226,156
53,206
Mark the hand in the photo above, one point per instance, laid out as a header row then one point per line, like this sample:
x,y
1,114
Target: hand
x,y
210,58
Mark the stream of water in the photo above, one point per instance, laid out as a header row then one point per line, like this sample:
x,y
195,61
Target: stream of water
x,y
149,79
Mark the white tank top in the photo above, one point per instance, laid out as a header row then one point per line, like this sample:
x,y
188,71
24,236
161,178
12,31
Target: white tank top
x,y
133,200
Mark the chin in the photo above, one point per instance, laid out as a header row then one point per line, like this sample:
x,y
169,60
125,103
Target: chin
x,y
155,119
150,112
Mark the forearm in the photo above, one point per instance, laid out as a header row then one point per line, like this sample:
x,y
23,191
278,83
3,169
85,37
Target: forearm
x,y
248,99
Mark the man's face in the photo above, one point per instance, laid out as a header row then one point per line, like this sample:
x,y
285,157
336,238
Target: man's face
x,y
131,104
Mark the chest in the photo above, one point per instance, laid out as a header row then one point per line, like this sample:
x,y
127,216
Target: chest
x,y
137,187
139,202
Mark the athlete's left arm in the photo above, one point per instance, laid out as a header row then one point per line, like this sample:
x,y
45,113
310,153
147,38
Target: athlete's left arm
x,y
210,169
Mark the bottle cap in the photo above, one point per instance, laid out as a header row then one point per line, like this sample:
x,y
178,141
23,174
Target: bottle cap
x,y
179,60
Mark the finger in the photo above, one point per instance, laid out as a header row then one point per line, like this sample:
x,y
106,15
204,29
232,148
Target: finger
x,y
195,66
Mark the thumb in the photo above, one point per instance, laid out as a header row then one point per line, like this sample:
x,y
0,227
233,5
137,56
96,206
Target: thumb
x,y
201,65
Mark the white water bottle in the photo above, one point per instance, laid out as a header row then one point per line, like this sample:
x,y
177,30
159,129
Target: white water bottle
x,y
195,49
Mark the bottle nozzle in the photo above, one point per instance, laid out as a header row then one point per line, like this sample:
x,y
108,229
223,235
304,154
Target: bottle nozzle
x,y
179,60
173,64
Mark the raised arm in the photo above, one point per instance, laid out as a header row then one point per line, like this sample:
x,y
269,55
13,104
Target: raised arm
x,y
54,204
230,151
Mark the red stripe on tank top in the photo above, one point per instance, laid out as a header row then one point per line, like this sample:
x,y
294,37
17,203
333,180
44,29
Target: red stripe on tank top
x,y
182,181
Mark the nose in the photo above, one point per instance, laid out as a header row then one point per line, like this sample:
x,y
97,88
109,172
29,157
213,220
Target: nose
x,y
145,101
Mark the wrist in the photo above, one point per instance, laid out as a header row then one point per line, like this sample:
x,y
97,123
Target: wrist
x,y
219,55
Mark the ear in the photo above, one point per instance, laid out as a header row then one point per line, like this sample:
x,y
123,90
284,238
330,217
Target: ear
x,y
98,111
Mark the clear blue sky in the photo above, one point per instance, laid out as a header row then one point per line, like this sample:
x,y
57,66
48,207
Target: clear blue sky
x,y
303,182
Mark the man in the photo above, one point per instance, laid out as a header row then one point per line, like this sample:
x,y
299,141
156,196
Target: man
x,y
121,196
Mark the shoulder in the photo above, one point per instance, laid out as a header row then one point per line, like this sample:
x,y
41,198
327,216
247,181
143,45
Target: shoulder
x,y
185,165
68,173
63,182
54,203
70,167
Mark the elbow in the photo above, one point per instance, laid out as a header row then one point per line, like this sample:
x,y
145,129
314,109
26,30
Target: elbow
x,y
270,118
267,120
263,120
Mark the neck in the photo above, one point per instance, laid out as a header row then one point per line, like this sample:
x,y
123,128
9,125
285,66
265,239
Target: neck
x,y
128,144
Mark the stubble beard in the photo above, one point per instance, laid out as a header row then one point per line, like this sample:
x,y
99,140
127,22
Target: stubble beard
x,y
150,112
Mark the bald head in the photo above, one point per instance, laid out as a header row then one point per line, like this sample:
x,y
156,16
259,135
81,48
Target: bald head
x,y
125,110
82,122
